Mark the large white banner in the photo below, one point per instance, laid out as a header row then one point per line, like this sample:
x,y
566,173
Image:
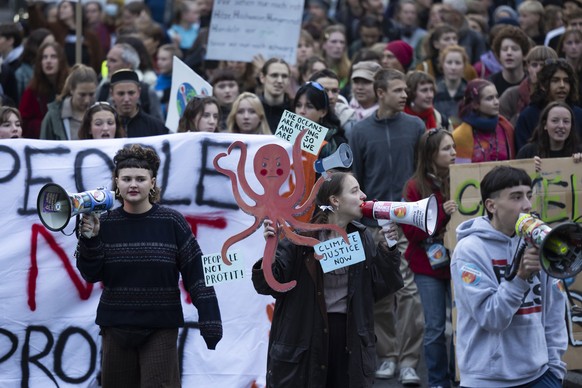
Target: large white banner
x,y
48,337
241,29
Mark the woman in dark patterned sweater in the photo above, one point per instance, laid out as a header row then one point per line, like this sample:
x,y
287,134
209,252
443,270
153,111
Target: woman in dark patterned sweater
x,y
138,251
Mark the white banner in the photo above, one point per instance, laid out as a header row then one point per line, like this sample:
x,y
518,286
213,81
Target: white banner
x,y
241,29
48,337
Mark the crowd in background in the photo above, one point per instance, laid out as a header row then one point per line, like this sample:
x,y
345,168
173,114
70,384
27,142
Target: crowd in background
x,y
494,79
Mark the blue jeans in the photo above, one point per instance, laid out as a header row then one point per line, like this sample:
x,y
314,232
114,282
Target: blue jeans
x,y
436,295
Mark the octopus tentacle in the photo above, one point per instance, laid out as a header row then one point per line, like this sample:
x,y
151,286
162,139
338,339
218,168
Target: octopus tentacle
x,y
309,201
268,257
297,238
236,238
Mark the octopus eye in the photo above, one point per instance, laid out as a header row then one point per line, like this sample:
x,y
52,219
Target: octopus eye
x,y
264,165
278,164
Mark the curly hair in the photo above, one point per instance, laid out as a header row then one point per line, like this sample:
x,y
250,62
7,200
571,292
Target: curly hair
x,y
137,156
513,33
540,95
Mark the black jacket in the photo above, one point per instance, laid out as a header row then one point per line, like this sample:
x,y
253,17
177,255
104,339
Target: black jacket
x,y
142,125
298,342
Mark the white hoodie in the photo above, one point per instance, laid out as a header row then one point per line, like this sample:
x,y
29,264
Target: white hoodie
x,y
508,332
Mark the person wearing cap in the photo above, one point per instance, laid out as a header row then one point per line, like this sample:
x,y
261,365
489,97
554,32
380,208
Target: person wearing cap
x,y
125,56
364,100
397,55
125,93
383,147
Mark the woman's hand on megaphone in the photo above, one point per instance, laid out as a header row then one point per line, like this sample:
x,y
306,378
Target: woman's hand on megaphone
x,y
390,232
269,230
530,263
90,225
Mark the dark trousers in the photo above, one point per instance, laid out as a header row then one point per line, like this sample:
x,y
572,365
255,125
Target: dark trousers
x,y
154,363
337,368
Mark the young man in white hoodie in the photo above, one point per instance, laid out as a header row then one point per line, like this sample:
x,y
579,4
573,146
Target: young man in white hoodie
x,y
509,333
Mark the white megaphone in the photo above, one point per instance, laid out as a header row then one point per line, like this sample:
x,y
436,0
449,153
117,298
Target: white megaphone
x,y
342,157
55,206
560,247
423,214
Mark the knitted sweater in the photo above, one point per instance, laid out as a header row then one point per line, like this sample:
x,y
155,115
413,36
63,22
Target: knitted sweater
x,y
139,258
465,141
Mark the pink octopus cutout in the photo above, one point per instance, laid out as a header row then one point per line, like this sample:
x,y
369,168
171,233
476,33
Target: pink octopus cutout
x,y
272,168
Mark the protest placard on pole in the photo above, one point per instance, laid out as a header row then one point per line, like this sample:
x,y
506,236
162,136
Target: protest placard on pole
x,y
241,29
186,85
291,125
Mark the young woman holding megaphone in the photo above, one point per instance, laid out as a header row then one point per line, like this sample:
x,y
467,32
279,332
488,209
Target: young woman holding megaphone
x,y
322,334
138,252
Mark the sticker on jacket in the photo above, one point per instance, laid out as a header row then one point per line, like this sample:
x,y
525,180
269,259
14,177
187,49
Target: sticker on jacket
x,y
471,274
559,284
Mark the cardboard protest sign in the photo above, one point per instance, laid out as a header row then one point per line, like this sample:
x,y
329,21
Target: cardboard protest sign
x,y
186,85
291,125
557,197
241,29
337,254
215,271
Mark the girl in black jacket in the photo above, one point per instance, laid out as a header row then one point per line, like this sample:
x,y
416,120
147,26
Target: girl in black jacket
x,y
322,333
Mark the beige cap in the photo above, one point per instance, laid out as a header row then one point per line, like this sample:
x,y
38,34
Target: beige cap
x,y
365,70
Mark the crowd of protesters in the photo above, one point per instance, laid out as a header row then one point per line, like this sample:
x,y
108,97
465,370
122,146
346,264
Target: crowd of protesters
x,y
452,81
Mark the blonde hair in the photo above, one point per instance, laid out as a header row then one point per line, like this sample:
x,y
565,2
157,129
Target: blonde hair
x,y
262,129
79,74
535,7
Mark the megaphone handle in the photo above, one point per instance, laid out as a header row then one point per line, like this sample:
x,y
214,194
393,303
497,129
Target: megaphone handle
x,y
390,242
